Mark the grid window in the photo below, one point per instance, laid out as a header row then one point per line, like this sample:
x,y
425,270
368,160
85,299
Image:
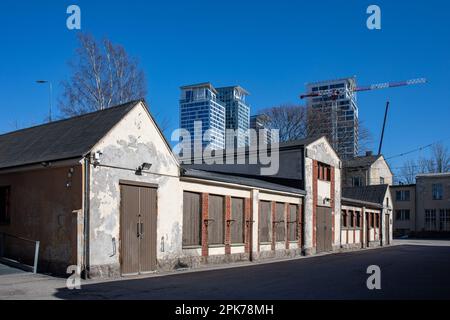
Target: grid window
x,y
430,220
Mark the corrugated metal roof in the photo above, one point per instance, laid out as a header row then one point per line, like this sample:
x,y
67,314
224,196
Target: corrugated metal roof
x,y
59,140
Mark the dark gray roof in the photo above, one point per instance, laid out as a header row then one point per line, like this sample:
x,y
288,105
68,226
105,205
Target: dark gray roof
x,y
230,178
59,140
364,161
300,142
374,193
346,201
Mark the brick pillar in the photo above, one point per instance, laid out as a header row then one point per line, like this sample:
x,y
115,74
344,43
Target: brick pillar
x,y
300,224
363,227
248,225
205,206
286,225
273,225
314,201
332,202
228,225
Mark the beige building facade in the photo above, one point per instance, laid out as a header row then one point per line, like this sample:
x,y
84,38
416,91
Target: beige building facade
x,y
404,198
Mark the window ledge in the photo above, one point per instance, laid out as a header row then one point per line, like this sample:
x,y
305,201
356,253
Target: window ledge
x,y
191,247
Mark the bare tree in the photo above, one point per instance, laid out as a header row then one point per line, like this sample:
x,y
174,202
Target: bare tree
x,y
298,122
290,120
439,161
103,75
409,172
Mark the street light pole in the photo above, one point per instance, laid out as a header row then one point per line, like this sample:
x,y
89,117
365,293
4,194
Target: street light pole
x,y
50,86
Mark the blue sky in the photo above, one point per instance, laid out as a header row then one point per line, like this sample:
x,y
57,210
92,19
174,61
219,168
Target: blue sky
x,y
271,48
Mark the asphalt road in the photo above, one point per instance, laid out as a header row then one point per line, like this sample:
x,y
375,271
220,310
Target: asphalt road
x,y
407,272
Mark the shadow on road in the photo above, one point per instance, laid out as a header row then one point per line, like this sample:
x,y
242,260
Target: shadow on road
x,y
407,272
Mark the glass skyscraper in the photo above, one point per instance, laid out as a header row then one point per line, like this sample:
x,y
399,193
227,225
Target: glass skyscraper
x,y
338,112
199,102
237,114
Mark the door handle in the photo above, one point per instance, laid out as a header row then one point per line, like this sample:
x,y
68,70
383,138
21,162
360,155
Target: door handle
x,y
141,229
138,234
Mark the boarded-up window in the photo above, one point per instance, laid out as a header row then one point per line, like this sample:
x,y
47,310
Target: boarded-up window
x,y
192,224
352,219
344,219
4,205
293,223
358,219
265,221
237,225
280,219
216,216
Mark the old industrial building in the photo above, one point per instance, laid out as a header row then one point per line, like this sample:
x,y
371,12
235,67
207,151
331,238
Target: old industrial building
x,y
366,216
104,192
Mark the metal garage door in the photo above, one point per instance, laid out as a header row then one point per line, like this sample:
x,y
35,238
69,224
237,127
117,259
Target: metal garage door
x,y
324,229
138,229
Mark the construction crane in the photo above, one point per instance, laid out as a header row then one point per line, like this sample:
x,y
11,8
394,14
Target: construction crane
x,y
336,92
333,95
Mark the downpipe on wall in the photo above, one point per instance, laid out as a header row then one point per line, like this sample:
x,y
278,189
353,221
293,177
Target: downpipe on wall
x,y
86,165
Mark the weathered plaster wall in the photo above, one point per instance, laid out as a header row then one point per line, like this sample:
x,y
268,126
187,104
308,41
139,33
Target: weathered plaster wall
x,y
133,141
41,208
378,170
321,151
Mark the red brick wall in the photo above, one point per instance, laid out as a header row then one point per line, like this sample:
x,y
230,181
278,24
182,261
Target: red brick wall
x,y
205,204
300,223
314,200
332,201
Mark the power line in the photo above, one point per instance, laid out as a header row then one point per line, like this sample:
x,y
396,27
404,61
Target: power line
x,y
415,150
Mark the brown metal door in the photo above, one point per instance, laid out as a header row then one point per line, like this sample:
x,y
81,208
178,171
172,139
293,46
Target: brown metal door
x,y
147,248
216,216
129,230
138,229
323,229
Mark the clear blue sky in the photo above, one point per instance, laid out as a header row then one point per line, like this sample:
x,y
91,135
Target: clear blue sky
x,y
271,48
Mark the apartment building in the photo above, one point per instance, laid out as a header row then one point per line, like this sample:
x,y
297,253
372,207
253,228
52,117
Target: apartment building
x,y
199,104
237,114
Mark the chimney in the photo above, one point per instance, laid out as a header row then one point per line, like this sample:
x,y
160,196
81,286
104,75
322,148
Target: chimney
x,y
369,153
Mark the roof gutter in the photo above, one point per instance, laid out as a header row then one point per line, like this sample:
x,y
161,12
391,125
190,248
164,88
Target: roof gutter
x,y
239,186
39,165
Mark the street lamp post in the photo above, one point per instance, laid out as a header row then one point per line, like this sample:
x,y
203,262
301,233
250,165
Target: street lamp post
x,y
50,97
